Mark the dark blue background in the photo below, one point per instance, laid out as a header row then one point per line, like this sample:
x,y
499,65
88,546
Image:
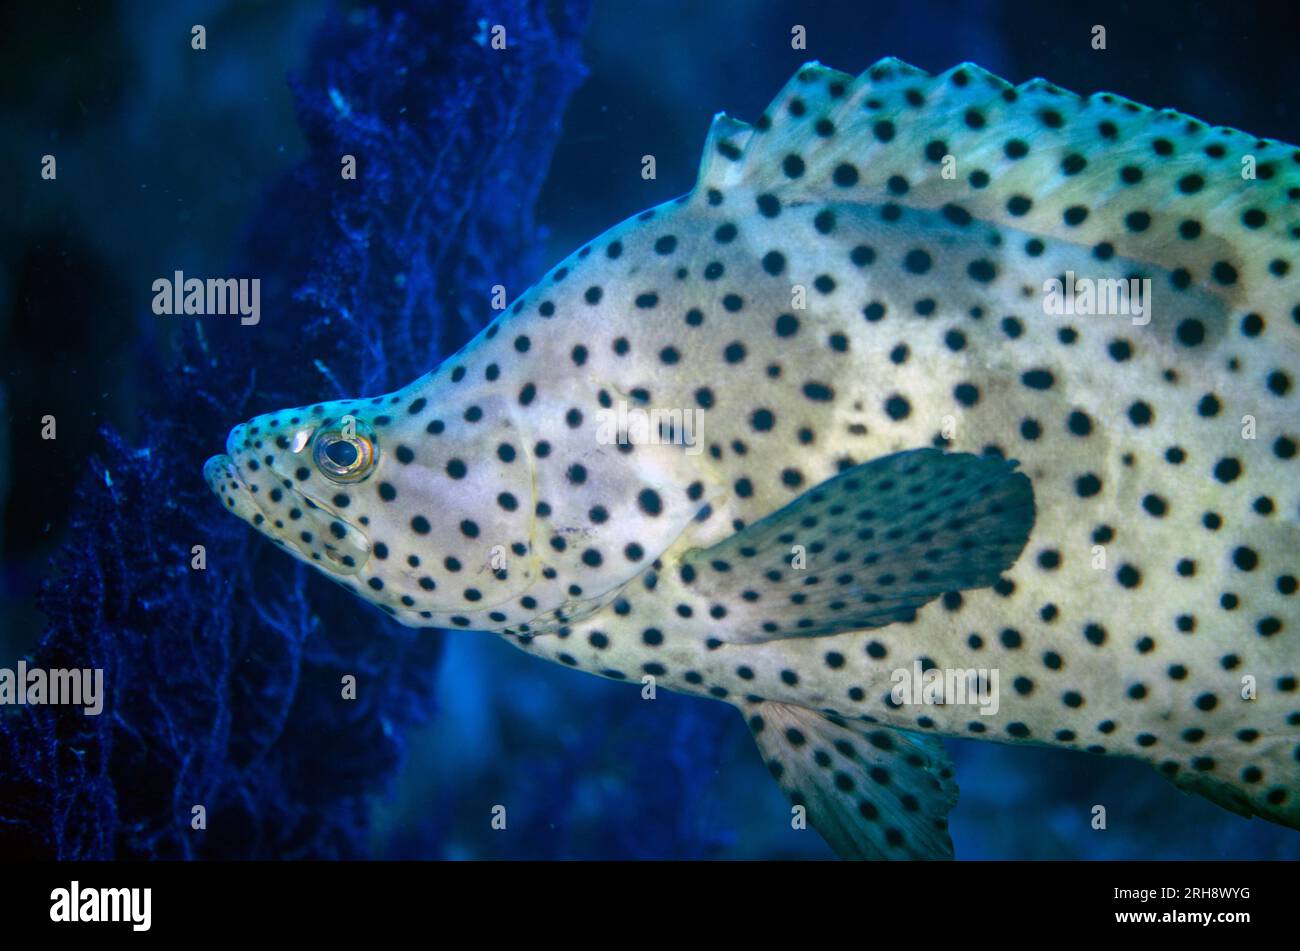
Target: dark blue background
x,y
225,686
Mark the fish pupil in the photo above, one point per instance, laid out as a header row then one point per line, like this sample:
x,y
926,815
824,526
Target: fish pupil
x,y
342,454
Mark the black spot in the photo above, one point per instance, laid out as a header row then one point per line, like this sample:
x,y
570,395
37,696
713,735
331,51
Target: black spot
x,y
917,261
1227,469
818,392
1019,205
862,255
787,325
956,214
1038,379
1191,331
1137,221
1079,423
649,501
1087,485
845,175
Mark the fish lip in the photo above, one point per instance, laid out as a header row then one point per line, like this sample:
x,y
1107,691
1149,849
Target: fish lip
x,y
221,468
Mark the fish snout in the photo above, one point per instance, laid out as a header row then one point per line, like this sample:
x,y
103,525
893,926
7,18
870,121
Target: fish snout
x,y
218,473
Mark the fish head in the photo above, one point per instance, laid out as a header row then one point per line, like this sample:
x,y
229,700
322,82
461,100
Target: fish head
x,y
425,516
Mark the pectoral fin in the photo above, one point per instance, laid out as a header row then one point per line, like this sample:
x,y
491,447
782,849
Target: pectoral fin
x,y
868,547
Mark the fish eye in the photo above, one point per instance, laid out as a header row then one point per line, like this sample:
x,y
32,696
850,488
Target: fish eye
x,y
345,456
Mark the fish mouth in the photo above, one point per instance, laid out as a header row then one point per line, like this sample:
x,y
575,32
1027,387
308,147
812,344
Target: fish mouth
x,y
310,530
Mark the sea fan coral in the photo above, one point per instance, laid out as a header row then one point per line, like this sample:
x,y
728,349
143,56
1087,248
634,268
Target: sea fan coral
x,y
224,684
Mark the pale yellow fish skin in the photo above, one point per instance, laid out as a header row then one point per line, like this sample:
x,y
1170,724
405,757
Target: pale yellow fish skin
x,y
1086,379
1161,671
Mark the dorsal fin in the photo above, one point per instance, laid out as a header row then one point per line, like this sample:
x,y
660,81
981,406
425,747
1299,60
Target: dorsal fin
x,y
1101,172
720,167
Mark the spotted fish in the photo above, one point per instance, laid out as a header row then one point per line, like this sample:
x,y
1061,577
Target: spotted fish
x,y
868,450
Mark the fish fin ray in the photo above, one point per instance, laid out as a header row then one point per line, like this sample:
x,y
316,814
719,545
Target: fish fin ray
x,y
870,791
723,148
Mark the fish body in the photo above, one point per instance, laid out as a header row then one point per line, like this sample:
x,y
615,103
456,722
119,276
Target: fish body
x,y
870,456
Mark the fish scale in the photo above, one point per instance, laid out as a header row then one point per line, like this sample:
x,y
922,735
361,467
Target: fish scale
x,y
902,458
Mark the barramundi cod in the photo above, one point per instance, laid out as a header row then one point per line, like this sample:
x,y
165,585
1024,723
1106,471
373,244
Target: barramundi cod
x,y
848,416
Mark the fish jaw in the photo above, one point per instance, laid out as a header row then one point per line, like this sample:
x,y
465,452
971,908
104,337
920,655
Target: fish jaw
x,y
270,503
